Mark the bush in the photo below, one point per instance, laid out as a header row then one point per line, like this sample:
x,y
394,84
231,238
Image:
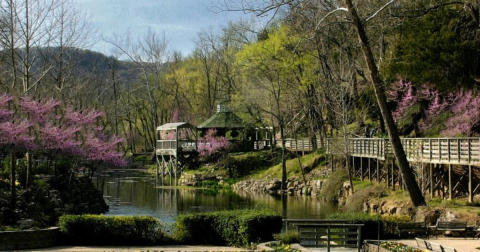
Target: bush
x,y
372,223
233,228
115,230
333,185
288,237
390,223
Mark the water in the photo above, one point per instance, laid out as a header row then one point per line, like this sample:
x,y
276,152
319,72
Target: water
x,y
137,194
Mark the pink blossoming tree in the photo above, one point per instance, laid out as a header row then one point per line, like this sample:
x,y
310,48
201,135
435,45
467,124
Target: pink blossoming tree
x,y
44,127
210,144
465,114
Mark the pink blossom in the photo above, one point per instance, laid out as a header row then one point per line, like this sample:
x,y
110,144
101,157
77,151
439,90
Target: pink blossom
x,y
466,114
211,144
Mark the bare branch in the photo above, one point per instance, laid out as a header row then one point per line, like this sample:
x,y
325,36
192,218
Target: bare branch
x,y
379,10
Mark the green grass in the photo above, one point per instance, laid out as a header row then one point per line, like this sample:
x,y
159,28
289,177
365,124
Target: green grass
x,y
308,162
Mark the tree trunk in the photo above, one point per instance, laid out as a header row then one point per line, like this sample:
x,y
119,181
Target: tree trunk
x,y
408,177
284,162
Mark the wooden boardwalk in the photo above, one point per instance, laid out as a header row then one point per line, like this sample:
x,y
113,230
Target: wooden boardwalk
x,y
443,166
454,151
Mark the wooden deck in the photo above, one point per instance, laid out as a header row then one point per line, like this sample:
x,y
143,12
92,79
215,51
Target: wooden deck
x,y
443,167
454,151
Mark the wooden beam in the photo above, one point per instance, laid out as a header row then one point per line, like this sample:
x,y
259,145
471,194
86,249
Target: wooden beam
x,y
449,181
470,186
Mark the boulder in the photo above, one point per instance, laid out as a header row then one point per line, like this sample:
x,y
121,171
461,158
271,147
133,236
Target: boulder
x,y
26,224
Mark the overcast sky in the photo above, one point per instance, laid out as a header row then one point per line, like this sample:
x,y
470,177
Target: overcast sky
x,y
179,20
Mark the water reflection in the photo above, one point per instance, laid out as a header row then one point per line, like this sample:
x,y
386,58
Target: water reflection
x,y
137,194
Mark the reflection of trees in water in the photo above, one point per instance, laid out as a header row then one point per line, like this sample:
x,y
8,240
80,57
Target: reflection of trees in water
x,y
292,206
139,195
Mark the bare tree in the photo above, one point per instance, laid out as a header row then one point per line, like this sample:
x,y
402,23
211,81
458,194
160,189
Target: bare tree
x,y
149,54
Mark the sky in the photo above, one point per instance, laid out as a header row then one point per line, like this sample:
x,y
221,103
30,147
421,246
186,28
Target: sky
x,y
179,20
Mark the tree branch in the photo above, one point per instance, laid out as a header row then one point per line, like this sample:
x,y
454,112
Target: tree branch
x,y
379,10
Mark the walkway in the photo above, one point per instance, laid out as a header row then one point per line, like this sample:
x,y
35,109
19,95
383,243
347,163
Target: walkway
x,y
460,244
175,248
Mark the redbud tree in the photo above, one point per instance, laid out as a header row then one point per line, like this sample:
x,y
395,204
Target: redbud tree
x,y
452,114
48,129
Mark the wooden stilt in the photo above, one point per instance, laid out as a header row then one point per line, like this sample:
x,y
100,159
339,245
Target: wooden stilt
x,y
450,182
470,186
388,172
393,175
361,168
369,171
431,181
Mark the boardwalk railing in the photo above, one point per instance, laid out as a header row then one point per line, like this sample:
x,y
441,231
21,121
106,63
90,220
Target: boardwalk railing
x,y
460,151
184,145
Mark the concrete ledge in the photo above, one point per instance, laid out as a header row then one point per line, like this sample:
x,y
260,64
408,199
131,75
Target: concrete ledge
x,y
28,239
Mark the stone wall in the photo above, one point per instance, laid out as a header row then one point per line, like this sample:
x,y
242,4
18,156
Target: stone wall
x,y
28,239
273,186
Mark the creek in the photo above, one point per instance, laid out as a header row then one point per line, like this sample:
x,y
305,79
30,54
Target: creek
x,y
129,193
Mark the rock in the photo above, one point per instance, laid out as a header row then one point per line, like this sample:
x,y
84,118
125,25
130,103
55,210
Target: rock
x,y
26,224
449,216
365,207
392,210
274,185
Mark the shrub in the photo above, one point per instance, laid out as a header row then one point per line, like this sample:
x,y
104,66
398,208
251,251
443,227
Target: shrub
x,y
372,223
390,223
115,230
233,228
288,237
333,185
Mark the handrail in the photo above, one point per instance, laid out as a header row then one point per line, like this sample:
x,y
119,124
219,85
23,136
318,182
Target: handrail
x,y
460,151
330,235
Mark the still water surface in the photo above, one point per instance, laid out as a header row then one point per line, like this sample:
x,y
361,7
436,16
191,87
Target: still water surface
x,y
138,194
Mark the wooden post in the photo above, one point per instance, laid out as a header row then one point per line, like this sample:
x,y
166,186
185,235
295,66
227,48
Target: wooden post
x,y
470,186
458,151
353,165
388,172
422,177
393,174
378,171
369,171
431,180
449,181
361,168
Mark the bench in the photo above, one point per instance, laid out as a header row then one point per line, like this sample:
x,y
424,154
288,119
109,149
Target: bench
x,y
412,227
433,246
457,226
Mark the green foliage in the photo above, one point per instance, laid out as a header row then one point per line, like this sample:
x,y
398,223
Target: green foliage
x,y
288,237
81,193
309,162
439,47
372,223
233,228
242,165
333,184
115,230
390,222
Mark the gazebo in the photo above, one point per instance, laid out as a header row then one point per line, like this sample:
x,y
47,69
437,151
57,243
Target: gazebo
x,y
223,121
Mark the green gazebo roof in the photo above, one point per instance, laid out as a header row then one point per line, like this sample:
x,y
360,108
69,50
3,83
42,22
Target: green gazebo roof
x,y
222,119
